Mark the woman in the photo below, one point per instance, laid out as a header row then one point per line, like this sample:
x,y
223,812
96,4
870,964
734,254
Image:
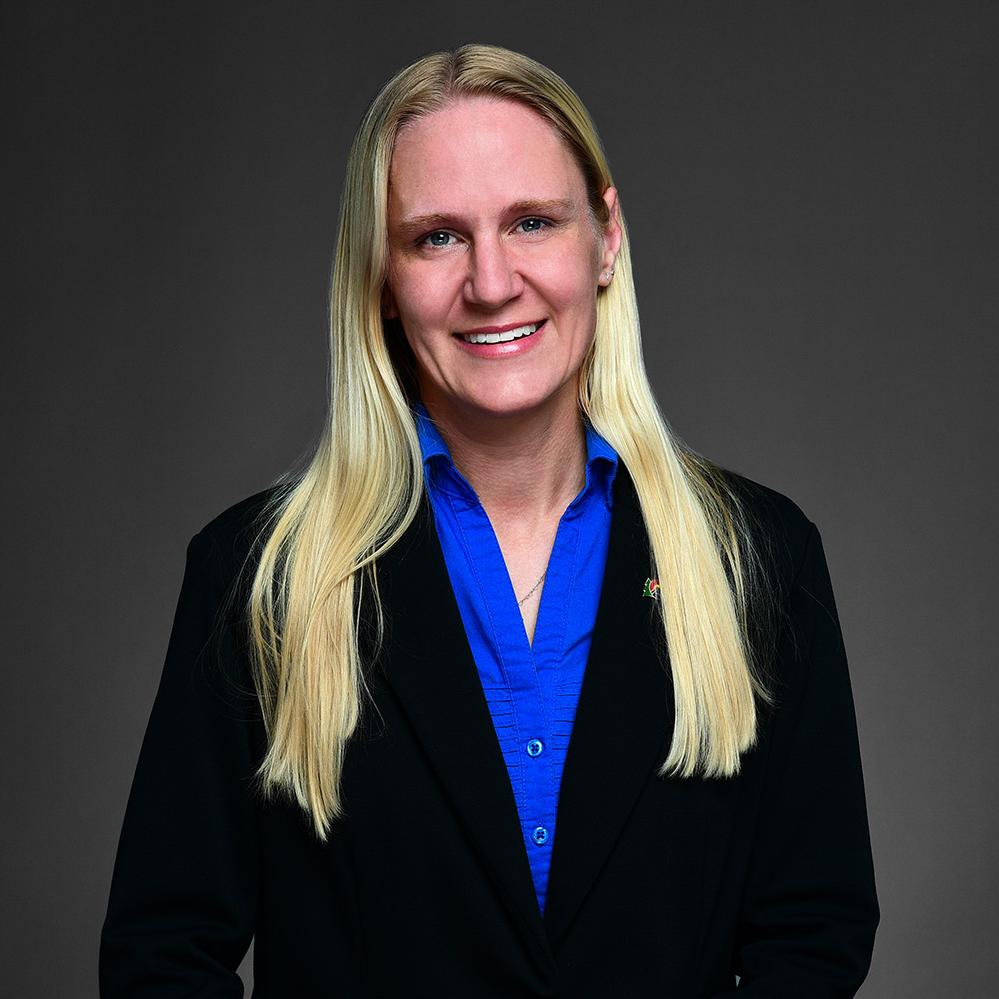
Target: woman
x,y
509,693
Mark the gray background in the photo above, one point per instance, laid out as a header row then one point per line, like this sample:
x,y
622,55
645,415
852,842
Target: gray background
x,y
811,196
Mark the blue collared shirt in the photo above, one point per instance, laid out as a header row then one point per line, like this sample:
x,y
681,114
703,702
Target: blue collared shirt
x,y
531,689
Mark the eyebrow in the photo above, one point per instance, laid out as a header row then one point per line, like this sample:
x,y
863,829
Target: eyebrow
x,y
419,224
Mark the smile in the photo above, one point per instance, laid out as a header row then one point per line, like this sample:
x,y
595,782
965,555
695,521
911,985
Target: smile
x,y
505,337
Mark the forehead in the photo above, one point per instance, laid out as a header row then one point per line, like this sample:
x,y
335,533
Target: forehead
x,y
477,154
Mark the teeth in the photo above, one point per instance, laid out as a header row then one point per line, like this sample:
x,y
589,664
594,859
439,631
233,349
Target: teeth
x,y
506,337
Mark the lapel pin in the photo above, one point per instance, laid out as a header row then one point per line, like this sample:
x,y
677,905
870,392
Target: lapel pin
x,y
651,589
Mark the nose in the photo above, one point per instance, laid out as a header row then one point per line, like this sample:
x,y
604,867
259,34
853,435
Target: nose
x,y
493,278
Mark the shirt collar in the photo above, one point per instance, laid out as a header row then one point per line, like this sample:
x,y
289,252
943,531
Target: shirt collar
x,y
601,458
601,461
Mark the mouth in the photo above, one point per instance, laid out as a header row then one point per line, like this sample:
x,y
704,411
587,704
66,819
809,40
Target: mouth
x,y
506,336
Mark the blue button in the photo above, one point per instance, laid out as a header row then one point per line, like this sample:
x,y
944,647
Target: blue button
x,y
540,835
534,747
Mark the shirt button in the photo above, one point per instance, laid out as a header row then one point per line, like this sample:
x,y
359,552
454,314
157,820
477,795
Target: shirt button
x,y
534,747
540,835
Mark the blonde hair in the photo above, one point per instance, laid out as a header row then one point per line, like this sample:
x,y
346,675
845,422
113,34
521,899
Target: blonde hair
x,y
327,526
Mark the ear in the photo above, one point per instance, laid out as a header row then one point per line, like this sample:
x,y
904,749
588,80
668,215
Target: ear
x,y
389,308
611,236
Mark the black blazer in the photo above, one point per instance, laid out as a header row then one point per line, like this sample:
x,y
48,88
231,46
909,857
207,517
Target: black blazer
x,y
666,888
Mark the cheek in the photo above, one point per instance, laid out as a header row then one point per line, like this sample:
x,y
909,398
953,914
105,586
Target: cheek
x,y
419,298
571,275
423,312
571,284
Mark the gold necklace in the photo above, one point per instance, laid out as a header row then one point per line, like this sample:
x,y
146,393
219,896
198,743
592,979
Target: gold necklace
x,y
532,589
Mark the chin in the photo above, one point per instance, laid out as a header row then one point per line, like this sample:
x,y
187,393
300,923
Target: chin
x,y
513,400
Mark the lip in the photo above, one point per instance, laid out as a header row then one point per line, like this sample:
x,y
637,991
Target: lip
x,y
502,350
498,329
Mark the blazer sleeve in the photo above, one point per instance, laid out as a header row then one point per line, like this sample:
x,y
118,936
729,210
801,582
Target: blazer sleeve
x,y
182,903
810,908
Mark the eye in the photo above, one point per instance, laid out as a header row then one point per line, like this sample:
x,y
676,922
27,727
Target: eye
x,y
431,238
536,224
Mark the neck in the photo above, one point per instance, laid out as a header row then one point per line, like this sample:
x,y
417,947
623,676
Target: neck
x,y
527,465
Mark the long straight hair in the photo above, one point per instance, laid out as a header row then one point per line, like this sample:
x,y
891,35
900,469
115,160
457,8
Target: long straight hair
x,y
327,526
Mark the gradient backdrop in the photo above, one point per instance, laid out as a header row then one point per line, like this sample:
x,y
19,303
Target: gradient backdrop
x,y
811,195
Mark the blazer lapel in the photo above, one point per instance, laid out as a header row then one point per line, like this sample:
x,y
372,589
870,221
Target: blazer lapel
x,y
429,665
623,722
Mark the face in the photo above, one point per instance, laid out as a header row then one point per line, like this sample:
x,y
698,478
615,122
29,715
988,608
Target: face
x,y
490,239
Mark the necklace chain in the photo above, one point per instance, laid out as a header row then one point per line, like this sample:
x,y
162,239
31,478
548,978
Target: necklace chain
x,y
532,589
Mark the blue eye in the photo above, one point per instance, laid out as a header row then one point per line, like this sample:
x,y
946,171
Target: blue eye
x,y
430,236
540,222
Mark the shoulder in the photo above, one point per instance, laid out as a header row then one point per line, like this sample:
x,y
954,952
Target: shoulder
x,y
234,534
779,528
791,553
